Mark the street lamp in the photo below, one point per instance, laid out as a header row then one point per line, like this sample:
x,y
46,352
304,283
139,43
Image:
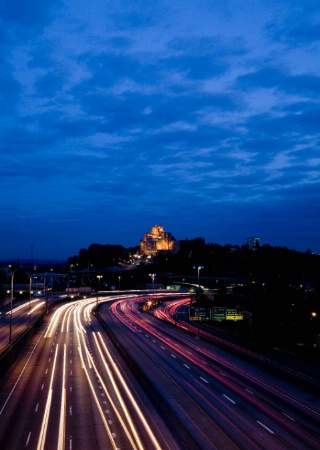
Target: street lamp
x,y
152,275
30,293
99,278
11,302
45,293
119,281
198,268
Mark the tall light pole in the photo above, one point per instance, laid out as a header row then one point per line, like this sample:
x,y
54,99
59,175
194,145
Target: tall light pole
x,y
44,293
152,275
99,278
198,268
119,281
11,302
30,293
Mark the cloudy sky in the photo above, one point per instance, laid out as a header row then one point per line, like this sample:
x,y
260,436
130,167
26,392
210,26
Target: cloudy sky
x,y
202,116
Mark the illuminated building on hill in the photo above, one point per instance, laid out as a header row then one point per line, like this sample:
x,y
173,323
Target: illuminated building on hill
x,y
158,240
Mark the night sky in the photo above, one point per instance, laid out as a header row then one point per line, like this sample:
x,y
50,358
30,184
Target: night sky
x,y
202,116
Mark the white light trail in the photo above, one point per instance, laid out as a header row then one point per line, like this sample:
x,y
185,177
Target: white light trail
x,y
45,421
123,405
109,434
131,398
36,307
62,424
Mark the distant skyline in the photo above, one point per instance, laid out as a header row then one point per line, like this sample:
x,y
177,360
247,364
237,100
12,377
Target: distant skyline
x,y
201,116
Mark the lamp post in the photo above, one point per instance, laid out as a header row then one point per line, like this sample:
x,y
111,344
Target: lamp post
x,y
152,275
11,302
30,293
99,278
198,297
45,293
119,281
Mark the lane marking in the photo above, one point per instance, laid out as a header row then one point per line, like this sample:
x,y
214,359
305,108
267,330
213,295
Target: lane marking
x,y
230,399
203,379
265,427
291,418
28,439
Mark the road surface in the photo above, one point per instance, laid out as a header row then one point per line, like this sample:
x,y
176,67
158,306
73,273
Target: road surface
x,y
227,400
67,391
132,381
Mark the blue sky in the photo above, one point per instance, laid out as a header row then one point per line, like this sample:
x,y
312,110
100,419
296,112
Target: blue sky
x,y
202,116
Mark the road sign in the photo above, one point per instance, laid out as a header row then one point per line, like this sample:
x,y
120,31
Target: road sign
x,y
234,314
218,314
199,314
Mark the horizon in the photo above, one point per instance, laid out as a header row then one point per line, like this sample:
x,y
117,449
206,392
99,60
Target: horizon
x,y
34,259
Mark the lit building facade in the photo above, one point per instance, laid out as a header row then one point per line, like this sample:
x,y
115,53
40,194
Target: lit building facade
x,y
158,240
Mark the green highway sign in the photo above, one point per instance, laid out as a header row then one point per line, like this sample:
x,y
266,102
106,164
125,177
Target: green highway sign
x,y
218,314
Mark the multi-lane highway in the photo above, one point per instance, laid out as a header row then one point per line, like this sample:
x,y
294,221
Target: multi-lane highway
x,y
132,381
68,392
16,321
228,401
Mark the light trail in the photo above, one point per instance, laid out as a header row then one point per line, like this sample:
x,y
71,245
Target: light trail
x,y
198,356
66,319
130,397
104,421
136,443
82,346
45,421
62,424
36,307
122,424
24,305
55,320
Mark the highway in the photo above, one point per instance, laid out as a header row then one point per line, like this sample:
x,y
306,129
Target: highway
x,y
133,379
23,315
67,391
227,401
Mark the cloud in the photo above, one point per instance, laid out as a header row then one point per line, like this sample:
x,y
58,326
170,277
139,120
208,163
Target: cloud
x,y
27,14
280,80
160,113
